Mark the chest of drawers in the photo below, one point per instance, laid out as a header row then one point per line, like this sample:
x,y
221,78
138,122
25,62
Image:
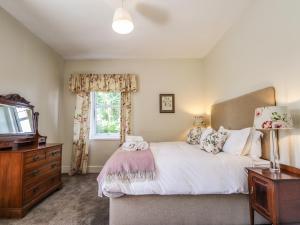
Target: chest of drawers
x,y
28,175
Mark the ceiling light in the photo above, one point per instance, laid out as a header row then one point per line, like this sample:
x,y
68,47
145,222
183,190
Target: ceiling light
x,y
122,22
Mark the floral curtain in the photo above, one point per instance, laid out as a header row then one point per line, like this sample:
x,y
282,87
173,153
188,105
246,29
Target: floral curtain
x,y
81,134
82,85
104,82
125,115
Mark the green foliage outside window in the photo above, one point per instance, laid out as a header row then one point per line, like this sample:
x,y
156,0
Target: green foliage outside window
x,y
107,112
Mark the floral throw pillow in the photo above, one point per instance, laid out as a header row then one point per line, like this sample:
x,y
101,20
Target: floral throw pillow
x,y
194,135
214,142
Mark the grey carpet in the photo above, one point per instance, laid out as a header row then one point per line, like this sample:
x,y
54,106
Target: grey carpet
x,y
76,203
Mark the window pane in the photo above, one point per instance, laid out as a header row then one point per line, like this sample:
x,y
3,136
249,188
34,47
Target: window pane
x,y
107,113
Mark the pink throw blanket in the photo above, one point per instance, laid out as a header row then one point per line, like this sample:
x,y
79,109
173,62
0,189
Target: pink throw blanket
x,y
127,166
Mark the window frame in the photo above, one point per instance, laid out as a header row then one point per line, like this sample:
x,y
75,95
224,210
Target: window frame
x,y
93,135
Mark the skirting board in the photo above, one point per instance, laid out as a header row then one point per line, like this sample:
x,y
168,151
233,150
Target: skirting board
x,y
91,169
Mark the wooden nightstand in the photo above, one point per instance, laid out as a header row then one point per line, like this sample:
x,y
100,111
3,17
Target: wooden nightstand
x,y
274,196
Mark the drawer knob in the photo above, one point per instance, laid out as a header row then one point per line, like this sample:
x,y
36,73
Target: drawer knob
x,y
35,172
35,158
35,190
53,165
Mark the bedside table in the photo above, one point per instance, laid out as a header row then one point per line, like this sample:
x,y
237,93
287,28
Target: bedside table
x,y
274,196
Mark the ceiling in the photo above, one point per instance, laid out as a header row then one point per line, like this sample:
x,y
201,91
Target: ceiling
x,y
81,29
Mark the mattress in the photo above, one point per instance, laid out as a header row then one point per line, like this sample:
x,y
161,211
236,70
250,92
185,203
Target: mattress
x,y
184,169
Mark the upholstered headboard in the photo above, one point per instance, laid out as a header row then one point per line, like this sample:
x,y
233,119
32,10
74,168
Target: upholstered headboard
x,y
238,113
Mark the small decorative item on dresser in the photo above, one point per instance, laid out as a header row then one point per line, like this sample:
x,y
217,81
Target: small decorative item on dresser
x,y
167,103
275,196
273,118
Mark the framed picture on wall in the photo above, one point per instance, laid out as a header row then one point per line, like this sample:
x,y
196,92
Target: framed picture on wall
x,y
167,103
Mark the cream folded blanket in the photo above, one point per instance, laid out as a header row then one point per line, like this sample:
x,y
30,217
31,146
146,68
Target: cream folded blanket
x,y
135,146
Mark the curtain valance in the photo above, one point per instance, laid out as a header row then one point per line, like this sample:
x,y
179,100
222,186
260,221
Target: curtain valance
x,y
84,83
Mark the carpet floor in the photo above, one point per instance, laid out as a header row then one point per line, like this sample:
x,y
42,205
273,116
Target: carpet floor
x,y
76,203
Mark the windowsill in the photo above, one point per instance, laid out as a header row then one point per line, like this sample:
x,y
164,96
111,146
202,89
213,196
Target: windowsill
x,y
105,139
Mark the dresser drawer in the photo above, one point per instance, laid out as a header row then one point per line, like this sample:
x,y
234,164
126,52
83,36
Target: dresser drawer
x,y
53,181
38,174
34,158
41,188
33,192
53,153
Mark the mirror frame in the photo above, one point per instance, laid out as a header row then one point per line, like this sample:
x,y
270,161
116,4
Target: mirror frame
x,y
9,140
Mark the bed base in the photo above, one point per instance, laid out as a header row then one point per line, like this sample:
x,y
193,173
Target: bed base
x,y
181,210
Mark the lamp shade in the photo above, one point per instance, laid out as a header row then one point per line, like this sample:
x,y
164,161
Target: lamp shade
x,y
122,22
198,121
273,117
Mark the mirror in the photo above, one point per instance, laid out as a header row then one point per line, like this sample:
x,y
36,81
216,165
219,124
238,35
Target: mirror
x,y
18,123
16,119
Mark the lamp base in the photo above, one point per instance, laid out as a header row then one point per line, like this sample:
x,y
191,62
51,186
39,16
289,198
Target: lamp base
x,y
275,170
275,164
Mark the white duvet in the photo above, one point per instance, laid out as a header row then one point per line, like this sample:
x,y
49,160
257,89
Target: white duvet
x,y
185,169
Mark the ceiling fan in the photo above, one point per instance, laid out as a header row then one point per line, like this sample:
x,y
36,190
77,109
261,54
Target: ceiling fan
x,y
122,20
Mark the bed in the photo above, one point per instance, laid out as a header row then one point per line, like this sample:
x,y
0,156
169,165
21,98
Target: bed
x,y
224,206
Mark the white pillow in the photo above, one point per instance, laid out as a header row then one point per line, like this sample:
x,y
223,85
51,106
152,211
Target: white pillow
x,y
255,148
236,140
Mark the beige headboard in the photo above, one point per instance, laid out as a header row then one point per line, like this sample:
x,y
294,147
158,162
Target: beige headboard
x,y
238,113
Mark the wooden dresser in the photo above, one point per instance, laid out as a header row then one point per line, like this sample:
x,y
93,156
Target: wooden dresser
x,y
27,175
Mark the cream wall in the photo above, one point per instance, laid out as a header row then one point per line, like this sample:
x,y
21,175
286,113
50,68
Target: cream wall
x,y
181,77
263,49
33,70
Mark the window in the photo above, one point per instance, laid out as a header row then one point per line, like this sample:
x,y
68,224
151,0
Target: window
x,y
105,115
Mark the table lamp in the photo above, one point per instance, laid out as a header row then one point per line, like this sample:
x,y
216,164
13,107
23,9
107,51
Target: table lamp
x,y
273,118
199,121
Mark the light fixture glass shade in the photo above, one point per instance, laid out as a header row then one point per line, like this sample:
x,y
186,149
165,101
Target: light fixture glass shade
x,y
273,117
122,22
